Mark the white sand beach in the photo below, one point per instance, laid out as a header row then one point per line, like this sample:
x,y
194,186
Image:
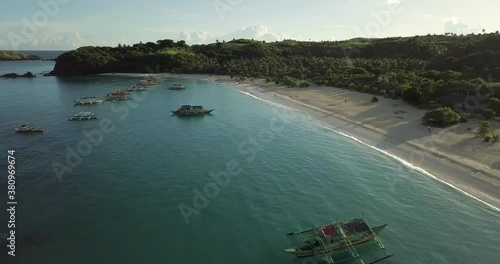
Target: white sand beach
x,y
454,155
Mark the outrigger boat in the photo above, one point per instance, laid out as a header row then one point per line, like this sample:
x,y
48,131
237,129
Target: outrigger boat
x,y
177,86
82,116
136,88
147,82
28,129
119,95
88,101
191,110
119,92
341,238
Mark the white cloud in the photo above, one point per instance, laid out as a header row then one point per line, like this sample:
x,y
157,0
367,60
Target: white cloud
x,y
197,37
453,25
184,35
61,40
54,35
75,40
68,40
257,32
392,1
124,41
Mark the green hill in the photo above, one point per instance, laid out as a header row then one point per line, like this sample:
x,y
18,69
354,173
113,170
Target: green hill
x,y
14,55
418,68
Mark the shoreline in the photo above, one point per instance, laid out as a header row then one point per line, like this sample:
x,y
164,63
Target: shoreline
x,y
424,154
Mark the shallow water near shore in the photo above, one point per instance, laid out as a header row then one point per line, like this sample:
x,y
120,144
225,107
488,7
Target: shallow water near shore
x,y
121,203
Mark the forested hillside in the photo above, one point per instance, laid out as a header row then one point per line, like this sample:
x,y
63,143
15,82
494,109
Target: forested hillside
x,y
8,55
418,69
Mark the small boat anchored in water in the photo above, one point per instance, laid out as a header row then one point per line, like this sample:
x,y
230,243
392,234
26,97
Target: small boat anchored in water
x,y
28,129
136,88
119,95
345,237
82,116
88,101
177,86
191,110
148,82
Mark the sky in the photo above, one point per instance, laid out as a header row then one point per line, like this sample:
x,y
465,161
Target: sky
x,y
69,24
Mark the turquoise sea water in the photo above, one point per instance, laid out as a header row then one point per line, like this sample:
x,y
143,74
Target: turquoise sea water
x,y
120,204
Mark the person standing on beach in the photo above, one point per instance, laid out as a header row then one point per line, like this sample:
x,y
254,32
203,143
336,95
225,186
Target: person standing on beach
x,y
429,129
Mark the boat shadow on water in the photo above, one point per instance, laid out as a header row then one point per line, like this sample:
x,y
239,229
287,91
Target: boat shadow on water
x,y
193,116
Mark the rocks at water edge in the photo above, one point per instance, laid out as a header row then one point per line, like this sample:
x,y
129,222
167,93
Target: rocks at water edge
x,y
15,75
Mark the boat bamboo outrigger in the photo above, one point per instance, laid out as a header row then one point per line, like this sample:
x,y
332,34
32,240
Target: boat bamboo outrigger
x,y
88,101
341,239
82,116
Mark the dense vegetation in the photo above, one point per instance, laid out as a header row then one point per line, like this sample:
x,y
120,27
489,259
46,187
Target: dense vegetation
x,y
14,55
417,69
486,132
443,116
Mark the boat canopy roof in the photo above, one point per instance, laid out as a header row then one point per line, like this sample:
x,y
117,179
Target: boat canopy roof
x,y
354,226
192,106
329,231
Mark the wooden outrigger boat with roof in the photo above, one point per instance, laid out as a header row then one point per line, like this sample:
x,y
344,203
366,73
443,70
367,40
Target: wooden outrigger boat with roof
x,y
119,95
191,110
149,81
28,129
341,238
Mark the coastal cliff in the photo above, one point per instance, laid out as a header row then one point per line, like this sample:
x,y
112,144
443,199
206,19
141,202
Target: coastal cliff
x,y
14,55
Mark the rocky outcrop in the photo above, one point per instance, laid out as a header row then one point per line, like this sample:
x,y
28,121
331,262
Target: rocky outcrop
x,y
15,75
83,61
